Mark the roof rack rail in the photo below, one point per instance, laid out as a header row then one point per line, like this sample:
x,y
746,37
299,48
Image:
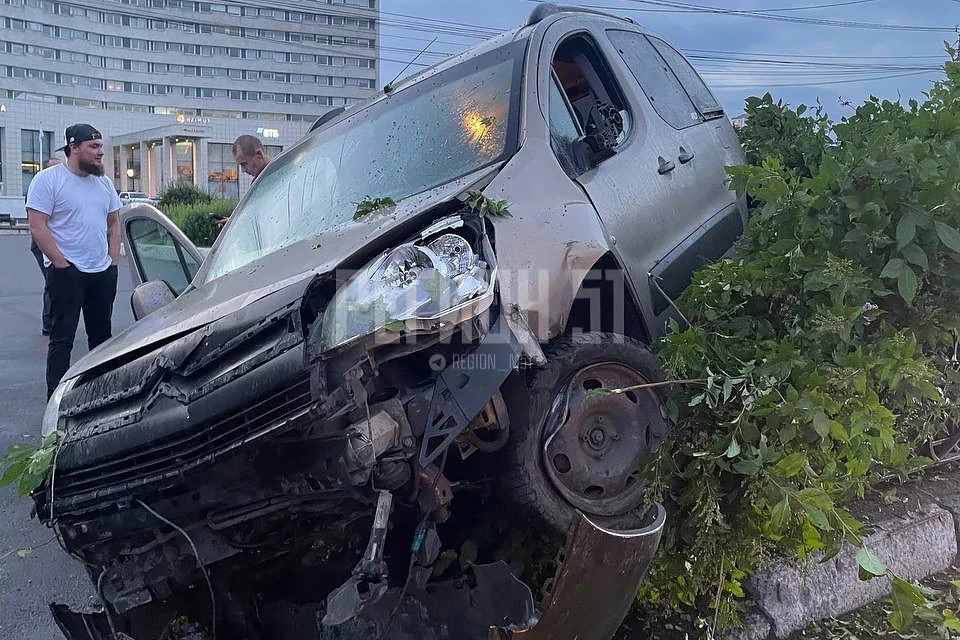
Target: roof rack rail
x,y
546,9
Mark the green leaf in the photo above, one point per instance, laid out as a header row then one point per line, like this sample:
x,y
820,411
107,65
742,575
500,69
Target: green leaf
x,y
905,598
821,424
906,230
870,565
443,562
780,514
894,268
23,553
948,236
396,326
750,467
727,389
734,449
791,464
468,553
13,472
818,518
907,284
817,497
915,255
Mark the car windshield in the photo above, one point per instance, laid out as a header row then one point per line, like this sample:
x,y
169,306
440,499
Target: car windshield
x,y
137,194
428,134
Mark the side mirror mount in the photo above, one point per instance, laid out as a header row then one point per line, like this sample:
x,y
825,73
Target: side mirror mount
x,y
150,296
603,130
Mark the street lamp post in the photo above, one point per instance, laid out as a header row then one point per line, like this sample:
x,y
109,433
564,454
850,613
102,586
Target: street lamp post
x,y
133,181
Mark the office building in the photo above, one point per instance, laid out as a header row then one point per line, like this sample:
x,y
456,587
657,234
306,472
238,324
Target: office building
x,y
171,83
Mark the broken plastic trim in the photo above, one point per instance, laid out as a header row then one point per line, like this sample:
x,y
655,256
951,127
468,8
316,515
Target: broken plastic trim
x,y
464,387
601,573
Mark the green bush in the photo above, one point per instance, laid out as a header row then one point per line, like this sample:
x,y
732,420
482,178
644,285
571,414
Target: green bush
x,y
197,221
821,353
183,193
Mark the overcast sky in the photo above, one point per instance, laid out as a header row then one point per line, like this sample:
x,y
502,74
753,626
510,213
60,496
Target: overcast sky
x,y
836,74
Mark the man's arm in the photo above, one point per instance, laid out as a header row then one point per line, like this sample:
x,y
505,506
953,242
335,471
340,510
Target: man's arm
x,y
40,230
113,236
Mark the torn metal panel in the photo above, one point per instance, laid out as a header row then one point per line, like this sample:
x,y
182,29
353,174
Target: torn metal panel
x,y
600,574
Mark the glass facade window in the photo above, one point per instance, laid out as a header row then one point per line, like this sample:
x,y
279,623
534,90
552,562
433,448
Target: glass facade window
x,y
133,167
222,171
183,160
34,150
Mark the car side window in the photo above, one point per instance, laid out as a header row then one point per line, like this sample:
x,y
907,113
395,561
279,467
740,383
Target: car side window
x,y
697,89
564,130
656,79
159,255
589,85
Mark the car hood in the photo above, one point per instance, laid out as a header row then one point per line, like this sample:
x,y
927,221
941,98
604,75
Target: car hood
x,y
291,268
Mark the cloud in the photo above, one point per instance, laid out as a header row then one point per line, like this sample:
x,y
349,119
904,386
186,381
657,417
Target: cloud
x,y
733,81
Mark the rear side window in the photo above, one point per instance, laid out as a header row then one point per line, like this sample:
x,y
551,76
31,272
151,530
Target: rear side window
x,y
703,98
657,81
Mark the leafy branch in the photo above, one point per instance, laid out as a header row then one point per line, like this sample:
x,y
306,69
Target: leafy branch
x,y
369,206
484,206
28,465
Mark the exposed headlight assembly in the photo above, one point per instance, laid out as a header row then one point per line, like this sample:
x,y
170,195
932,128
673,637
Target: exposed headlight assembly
x,y
426,285
51,415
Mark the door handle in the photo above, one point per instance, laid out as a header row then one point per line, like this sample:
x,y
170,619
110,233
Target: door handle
x,y
685,156
666,166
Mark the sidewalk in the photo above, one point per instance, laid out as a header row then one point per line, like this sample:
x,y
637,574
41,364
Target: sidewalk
x,y
915,532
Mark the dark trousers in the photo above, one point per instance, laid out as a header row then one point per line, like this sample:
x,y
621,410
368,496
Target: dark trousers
x,y
73,291
35,250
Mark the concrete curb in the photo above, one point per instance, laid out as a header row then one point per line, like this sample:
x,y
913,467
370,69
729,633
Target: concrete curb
x,y
916,537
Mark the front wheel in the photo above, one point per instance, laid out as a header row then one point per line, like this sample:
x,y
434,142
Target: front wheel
x,y
575,448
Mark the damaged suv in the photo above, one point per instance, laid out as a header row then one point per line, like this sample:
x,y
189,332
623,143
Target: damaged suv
x,y
432,311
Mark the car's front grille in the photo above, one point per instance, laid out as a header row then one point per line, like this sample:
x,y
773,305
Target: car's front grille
x,y
186,450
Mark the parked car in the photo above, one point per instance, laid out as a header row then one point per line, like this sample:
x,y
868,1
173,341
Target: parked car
x,y
131,197
413,322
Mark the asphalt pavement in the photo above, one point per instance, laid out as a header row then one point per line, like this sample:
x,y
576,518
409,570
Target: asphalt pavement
x,y
46,574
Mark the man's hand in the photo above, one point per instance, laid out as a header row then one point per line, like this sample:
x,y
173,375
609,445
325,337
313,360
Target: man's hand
x,y
44,239
113,237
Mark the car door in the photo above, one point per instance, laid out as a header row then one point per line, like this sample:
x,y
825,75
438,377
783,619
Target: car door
x,y
158,250
637,191
649,193
704,144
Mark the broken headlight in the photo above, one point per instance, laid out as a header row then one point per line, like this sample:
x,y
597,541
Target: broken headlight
x,y
420,286
51,415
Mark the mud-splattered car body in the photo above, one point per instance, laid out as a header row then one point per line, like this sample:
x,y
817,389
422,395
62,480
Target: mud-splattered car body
x,y
375,344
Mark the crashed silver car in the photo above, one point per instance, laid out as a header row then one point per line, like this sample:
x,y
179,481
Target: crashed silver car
x,y
432,312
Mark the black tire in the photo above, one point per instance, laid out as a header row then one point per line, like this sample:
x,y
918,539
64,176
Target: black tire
x,y
531,401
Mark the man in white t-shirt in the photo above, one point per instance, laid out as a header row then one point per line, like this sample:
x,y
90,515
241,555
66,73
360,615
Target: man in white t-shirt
x,y
72,210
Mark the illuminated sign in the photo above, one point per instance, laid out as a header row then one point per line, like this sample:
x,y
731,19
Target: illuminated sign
x,y
3,108
268,133
182,119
